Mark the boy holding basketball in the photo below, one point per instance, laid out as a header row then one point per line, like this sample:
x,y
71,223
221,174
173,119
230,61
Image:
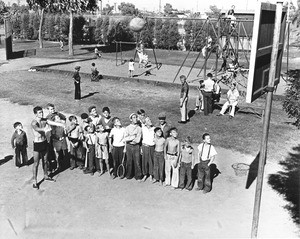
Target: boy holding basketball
x,y
116,144
171,153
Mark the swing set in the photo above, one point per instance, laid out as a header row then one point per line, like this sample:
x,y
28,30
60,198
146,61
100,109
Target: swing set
x,y
144,61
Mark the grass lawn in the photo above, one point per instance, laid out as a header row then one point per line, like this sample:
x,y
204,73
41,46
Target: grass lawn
x,y
242,134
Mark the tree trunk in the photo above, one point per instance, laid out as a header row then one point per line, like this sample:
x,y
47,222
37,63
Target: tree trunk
x,y
71,51
40,28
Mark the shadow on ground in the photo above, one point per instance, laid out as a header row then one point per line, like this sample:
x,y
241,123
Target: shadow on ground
x,y
6,159
287,182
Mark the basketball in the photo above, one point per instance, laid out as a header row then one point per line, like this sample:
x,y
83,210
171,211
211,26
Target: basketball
x,y
137,24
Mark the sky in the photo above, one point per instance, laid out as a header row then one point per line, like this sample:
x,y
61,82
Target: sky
x,y
193,5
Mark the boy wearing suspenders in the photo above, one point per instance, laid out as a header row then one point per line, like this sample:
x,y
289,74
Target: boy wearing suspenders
x,y
206,156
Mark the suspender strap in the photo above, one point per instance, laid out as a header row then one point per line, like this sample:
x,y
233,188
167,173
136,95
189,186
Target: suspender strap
x,y
202,152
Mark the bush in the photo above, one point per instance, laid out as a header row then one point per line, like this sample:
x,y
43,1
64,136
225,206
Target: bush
x,y
79,22
98,30
291,103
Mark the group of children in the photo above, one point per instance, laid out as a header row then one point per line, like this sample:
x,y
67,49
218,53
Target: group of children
x,y
99,143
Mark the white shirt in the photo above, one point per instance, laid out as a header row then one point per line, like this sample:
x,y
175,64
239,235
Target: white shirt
x,y
148,135
208,85
232,96
118,136
204,155
95,120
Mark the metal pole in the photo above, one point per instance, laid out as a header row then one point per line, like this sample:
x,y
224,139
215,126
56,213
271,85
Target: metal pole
x,y
217,50
266,124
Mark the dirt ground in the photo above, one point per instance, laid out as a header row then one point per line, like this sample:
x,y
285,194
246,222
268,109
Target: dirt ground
x,y
84,206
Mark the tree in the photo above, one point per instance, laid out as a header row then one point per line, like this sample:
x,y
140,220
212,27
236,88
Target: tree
x,y
72,7
169,10
214,12
107,10
291,103
128,9
3,11
98,30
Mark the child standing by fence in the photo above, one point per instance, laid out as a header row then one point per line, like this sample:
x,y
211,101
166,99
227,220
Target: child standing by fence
x,y
131,68
19,143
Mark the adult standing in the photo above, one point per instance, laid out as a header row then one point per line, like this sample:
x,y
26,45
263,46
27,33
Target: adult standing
x,y
164,125
133,135
77,79
184,100
208,94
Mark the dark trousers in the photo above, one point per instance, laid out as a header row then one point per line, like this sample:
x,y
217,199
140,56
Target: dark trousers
x,y
75,155
91,157
117,155
133,160
21,151
204,180
159,165
208,102
147,160
77,91
185,171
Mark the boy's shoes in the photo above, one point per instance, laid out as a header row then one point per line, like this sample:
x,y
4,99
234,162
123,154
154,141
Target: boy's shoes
x,y
167,185
160,183
182,122
88,172
48,179
197,108
35,186
71,168
230,117
204,192
144,178
80,167
198,189
155,181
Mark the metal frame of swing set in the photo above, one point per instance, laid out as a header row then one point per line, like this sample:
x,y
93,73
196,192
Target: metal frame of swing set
x,y
235,34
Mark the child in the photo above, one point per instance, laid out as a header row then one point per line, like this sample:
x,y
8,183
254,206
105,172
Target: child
x,y
130,68
101,149
95,72
171,153
185,160
90,141
206,156
116,144
75,136
106,120
59,142
94,116
141,116
159,161
19,143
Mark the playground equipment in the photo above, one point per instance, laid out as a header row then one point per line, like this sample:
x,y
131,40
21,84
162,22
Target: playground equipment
x,y
137,25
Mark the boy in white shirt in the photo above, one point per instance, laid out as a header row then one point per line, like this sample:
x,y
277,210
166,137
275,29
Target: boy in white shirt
x,y
117,144
206,156
232,100
147,149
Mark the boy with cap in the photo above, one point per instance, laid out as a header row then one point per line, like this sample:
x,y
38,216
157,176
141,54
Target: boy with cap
x,y
77,78
163,125
133,135
19,143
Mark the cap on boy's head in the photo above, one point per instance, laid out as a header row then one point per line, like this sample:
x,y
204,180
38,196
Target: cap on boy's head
x,y
130,116
162,115
77,67
209,75
91,107
16,124
84,116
